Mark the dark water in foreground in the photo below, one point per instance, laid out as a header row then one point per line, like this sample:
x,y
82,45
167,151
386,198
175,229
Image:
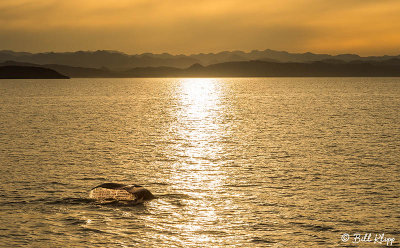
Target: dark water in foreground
x,y
288,162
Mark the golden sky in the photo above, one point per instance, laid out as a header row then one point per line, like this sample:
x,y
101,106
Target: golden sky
x,y
365,27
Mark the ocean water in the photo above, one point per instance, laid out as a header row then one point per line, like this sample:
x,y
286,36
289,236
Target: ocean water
x,y
245,162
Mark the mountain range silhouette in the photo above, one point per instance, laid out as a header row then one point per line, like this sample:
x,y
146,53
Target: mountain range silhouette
x,y
115,60
267,63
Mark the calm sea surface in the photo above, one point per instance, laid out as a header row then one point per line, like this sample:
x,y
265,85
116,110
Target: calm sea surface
x,y
250,162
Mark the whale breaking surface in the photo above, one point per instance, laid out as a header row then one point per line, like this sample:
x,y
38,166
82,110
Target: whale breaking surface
x,y
116,192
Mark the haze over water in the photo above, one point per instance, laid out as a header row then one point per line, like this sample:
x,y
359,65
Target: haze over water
x,y
247,162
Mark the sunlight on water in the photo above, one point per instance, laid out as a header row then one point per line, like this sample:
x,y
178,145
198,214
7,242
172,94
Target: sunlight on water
x,y
198,127
199,96
198,118
247,162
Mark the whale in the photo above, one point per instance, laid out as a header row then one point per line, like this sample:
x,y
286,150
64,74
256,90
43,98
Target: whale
x,y
117,192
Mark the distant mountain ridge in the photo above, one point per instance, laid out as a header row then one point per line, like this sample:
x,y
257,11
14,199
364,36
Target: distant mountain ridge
x,y
253,68
119,61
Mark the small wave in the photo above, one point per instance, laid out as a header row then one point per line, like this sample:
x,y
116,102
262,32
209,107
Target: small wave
x,y
214,232
175,196
258,240
242,185
71,201
159,183
86,229
74,221
7,203
93,179
313,227
58,183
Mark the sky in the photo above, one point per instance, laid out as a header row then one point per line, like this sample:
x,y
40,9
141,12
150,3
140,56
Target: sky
x,y
365,27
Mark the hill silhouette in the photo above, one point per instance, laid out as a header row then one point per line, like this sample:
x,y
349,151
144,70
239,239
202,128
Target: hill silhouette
x,y
254,68
119,61
314,69
25,72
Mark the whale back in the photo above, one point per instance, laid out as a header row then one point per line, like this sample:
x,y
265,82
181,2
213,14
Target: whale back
x,y
120,192
140,192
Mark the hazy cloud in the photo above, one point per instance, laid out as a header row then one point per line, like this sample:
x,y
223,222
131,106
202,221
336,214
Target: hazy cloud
x,y
181,26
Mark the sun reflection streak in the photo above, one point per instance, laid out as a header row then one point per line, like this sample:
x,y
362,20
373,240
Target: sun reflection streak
x,y
199,118
197,172
199,96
